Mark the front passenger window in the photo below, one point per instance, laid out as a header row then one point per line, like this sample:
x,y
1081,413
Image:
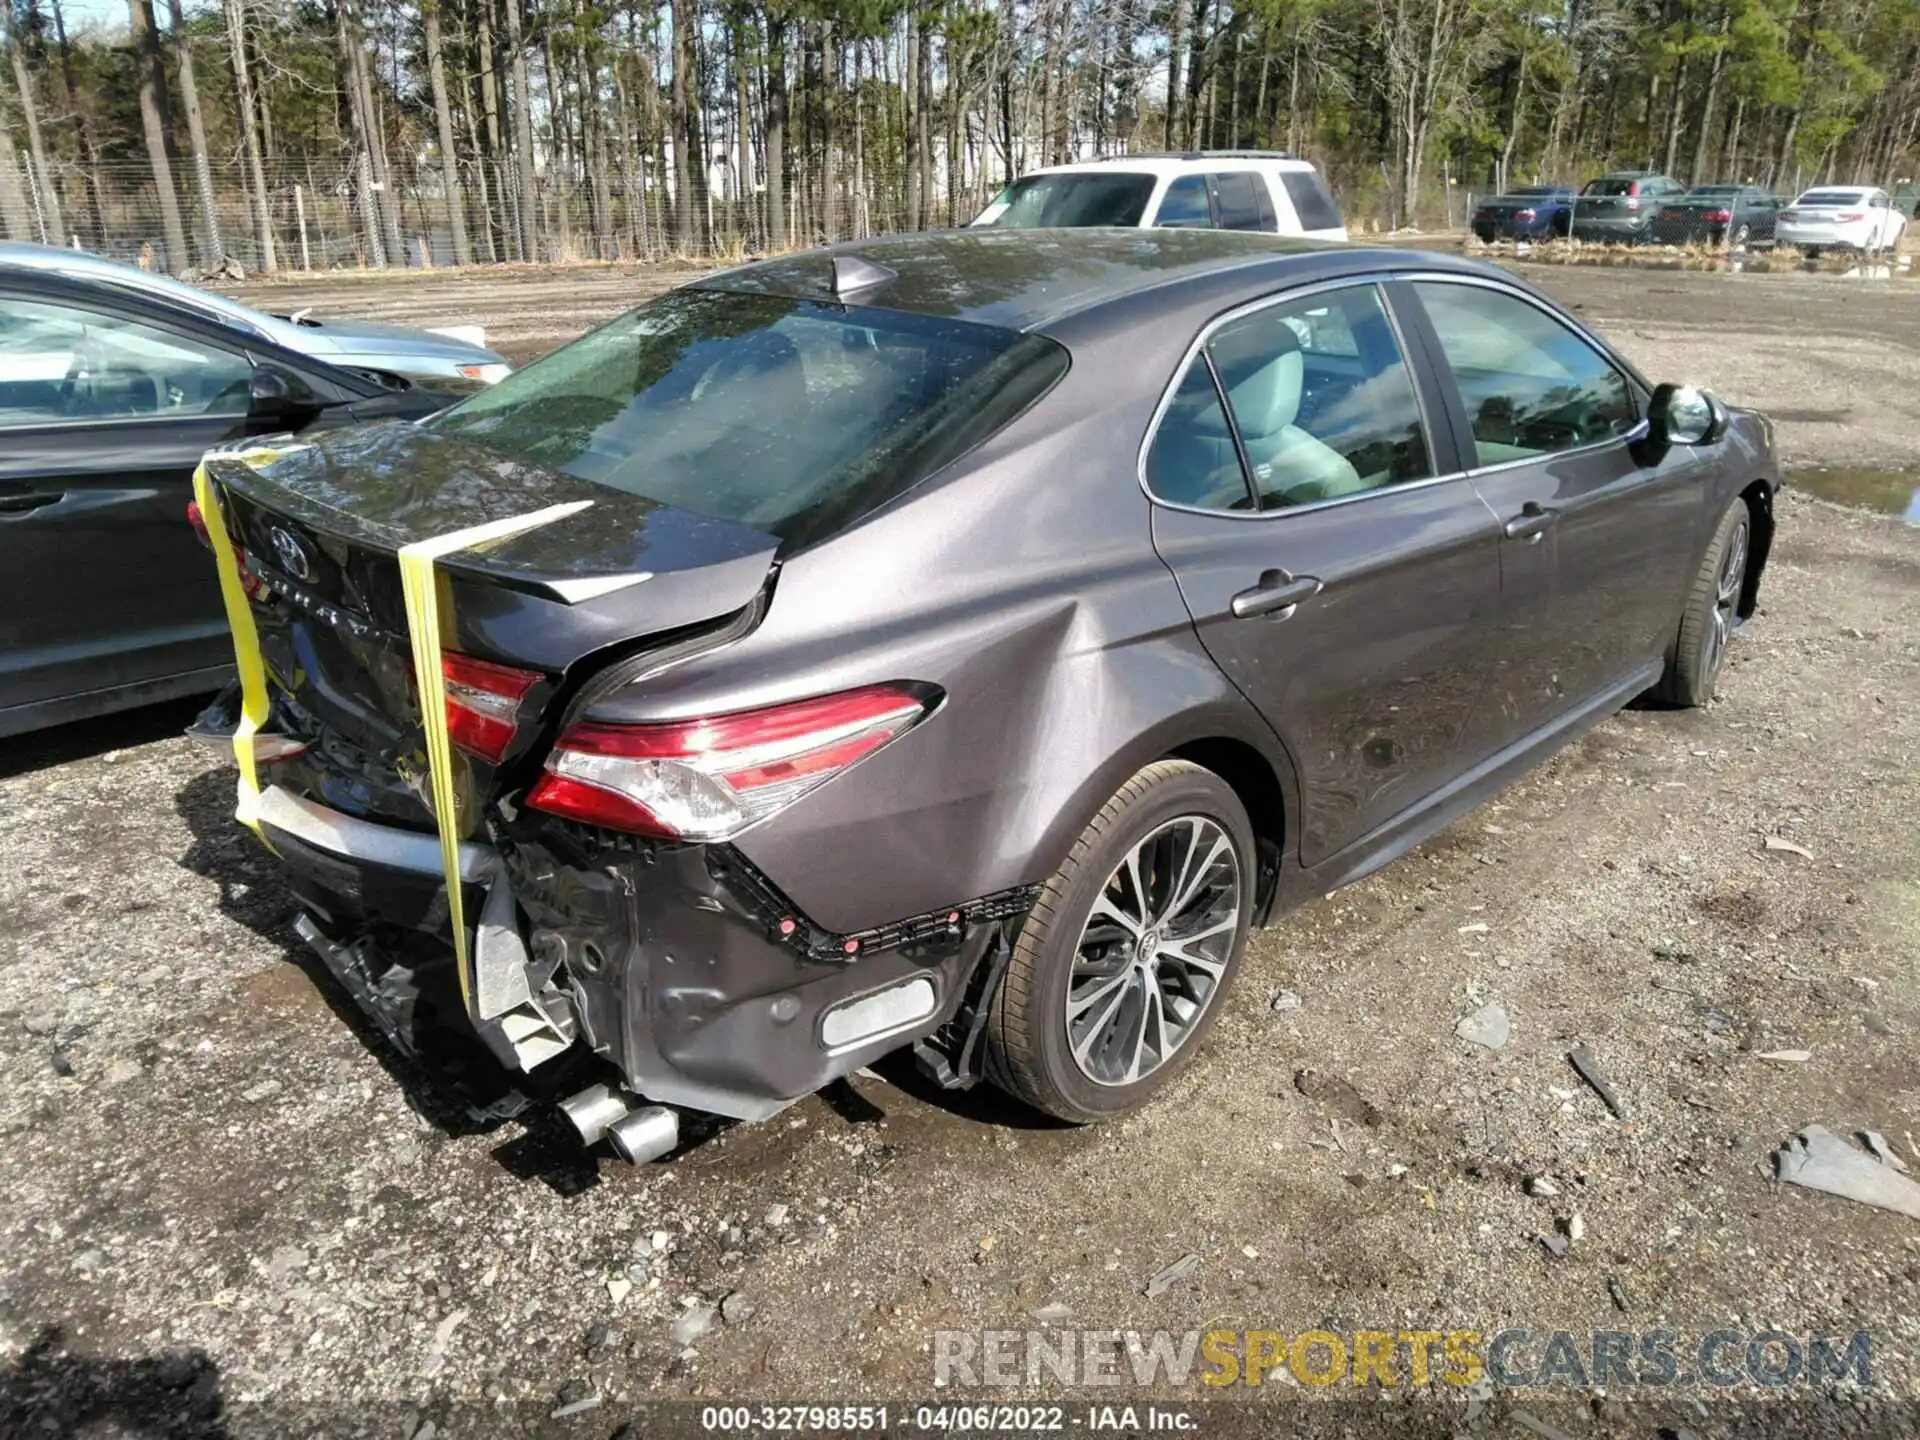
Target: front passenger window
x,y
60,365
1531,385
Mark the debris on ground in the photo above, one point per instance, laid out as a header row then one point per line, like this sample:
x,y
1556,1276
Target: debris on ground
x,y
1782,845
1576,1228
1541,1188
737,1309
1618,1294
1883,1152
1486,1027
1786,1057
692,1323
1055,1314
1817,1159
1589,1068
1556,1245
1171,1276
1478,927
1285,1000
1340,1098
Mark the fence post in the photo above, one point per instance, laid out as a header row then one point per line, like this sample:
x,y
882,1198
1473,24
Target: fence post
x,y
300,210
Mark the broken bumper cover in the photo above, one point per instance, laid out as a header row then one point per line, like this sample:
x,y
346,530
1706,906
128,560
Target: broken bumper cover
x,y
678,964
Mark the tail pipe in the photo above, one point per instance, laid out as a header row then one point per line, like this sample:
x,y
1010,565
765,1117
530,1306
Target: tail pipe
x,y
637,1133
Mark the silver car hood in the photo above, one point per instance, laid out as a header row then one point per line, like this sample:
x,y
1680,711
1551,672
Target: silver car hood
x,y
323,337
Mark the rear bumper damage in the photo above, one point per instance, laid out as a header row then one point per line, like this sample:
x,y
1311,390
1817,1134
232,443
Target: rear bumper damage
x,y
680,965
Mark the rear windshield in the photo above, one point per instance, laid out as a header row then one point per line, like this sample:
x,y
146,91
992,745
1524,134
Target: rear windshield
x,y
1714,190
793,417
1610,187
1831,197
1076,198
1536,192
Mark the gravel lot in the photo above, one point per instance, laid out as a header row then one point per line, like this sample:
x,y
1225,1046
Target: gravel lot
x,y
227,1205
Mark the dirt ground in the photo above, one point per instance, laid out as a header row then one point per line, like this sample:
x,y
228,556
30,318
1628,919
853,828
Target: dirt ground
x,y
228,1206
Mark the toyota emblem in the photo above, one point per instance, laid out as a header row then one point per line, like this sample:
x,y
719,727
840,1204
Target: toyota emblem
x,y
291,554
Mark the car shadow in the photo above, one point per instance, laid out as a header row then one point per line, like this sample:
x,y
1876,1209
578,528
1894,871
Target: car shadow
x,y
83,739
48,1389
448,1077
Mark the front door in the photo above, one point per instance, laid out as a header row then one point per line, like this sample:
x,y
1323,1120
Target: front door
x,y
1348,590
1595,544
103,584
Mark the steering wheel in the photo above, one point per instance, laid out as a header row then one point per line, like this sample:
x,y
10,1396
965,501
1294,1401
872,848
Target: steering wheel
x,y
76,396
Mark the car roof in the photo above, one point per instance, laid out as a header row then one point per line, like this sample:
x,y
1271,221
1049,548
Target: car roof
x,y
1032,279
1184,163
85,264
1841,190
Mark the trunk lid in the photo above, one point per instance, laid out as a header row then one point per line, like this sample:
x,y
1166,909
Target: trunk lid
x,y
322,527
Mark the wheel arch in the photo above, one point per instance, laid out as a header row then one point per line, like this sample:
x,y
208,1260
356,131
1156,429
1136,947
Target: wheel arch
x,y
1252,777
1758,498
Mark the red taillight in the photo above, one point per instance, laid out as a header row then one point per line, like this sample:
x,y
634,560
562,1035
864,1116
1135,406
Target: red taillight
x,y
1846,216
710,779
483,703
1633,187
1523,214
1719,217
1632,203
249,582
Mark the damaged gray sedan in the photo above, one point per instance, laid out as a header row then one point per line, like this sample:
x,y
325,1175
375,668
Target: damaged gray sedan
x,y
959,642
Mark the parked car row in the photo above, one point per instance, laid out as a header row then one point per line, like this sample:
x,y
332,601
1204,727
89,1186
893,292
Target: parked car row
x,y
1632,207
114,381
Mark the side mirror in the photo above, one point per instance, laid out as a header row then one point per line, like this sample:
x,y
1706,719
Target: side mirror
x,y
277,394
1684,415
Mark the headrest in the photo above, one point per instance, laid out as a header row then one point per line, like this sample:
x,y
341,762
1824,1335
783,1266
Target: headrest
x,y
1263,370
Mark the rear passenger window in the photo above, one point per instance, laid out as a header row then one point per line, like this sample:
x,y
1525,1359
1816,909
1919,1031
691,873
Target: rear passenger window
x,y
1244,200
1193,460
1531,385
1311,202
1320,398
1184,206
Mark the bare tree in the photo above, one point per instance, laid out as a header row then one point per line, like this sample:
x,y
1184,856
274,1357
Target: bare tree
x,y
155,121
47,192
244,102
529,197
443,121
212,252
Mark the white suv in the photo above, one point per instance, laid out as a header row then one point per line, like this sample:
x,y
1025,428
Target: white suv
x,y
1265,190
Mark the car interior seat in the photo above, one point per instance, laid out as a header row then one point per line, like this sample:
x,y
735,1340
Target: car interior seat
x,y
1264,372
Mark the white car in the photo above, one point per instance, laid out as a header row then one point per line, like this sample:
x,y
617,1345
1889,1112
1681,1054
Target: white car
x,y
1852,217
1260,190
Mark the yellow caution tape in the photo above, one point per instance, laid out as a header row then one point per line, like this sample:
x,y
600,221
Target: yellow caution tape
x,y
254,704
420,589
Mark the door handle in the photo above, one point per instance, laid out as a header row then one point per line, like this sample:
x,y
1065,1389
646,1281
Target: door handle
x,y
20,504
1276,595
1531,523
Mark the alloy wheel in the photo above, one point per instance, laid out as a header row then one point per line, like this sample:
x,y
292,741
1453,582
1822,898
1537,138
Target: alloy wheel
x,y
1726,599
1154,951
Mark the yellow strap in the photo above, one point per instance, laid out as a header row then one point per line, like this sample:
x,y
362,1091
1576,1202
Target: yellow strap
x,y
420,589
254,704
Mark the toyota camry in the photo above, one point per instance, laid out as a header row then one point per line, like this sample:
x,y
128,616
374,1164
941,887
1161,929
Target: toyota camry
x,y
956,642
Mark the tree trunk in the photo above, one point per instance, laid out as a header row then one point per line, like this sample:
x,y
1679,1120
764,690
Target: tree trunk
x,y
16,217
777,132
153,122
213,252
381,199
262,209
685,205
451,191
529,193
1696,172
42,175
923,126
1176,48
90,181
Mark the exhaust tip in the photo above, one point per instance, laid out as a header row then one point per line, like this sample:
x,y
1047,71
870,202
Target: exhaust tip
x,y
592,1111
644,1135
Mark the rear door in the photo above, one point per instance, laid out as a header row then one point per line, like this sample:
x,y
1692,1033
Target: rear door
x,y
103,584
1186,204
1337,567
1595,544
1241,201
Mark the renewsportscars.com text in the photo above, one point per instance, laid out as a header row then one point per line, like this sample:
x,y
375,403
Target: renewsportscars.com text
x,y
1512,1358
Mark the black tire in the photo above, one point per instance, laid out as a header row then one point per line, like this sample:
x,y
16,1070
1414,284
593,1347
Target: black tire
x,y
1711,614
1029,1052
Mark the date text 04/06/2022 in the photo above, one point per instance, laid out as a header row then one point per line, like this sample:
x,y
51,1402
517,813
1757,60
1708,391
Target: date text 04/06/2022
x,y
944,1419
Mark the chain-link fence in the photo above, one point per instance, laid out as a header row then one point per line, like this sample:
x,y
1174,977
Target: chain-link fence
x,y
343,214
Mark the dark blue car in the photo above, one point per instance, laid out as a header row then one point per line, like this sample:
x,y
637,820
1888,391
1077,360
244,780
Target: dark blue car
x,y
1533,212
